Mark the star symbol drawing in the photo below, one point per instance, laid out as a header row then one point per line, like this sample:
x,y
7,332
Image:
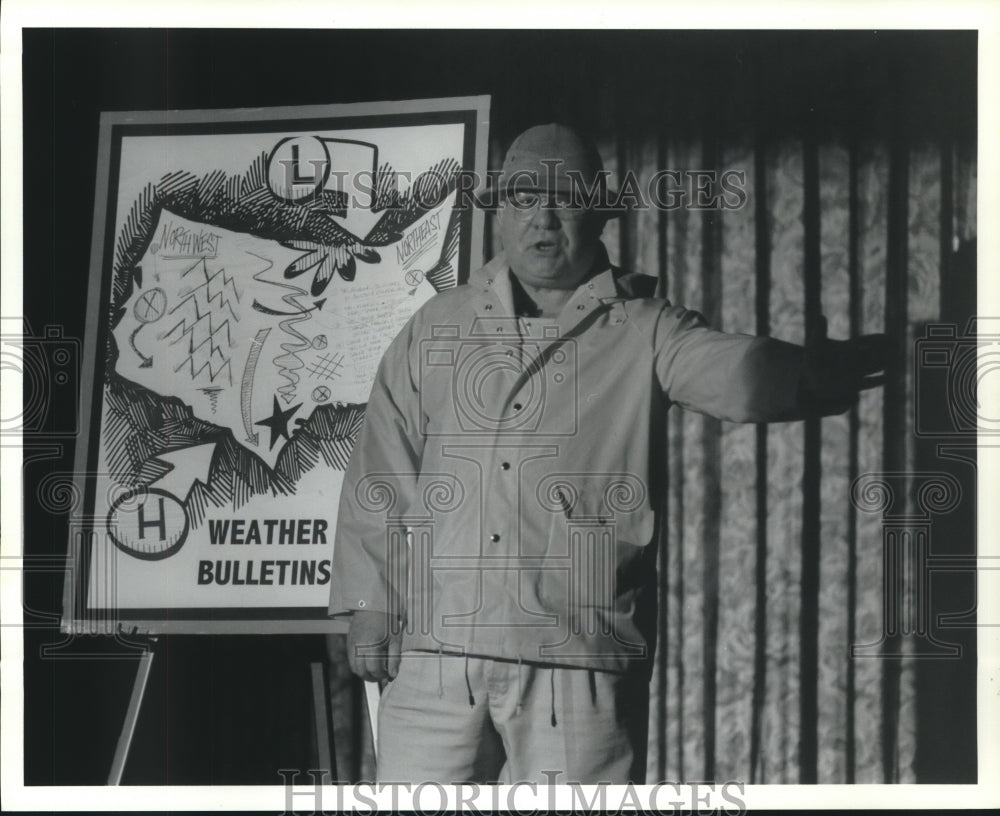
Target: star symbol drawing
x,y
278,421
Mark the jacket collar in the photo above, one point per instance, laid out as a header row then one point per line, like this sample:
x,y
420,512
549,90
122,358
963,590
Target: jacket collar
x,y
610,284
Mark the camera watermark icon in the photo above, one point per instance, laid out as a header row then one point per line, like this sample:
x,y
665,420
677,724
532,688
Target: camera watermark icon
x,y
956,364
908,563
498,382
90,612
46,367
79,630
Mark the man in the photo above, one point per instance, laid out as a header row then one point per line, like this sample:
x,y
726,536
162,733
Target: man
x,y
496,526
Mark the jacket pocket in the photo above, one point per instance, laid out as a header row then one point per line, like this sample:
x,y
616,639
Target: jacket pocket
x,y
600,526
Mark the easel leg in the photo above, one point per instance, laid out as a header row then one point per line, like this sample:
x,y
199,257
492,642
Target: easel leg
x,y
131,717
322,714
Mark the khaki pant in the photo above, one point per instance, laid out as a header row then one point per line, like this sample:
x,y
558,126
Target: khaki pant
x,y
451,719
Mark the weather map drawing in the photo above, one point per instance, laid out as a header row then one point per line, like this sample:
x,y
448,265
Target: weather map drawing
x,y
251,269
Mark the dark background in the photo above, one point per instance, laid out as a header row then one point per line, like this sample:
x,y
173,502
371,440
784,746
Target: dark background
x,y
232,710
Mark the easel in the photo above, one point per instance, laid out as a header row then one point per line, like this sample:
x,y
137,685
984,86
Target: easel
x,y
145,634
320,701
131,715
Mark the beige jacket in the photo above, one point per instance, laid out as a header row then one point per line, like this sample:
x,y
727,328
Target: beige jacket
x,y
503,491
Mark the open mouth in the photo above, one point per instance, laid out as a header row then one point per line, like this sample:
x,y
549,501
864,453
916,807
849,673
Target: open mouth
x,y
545,247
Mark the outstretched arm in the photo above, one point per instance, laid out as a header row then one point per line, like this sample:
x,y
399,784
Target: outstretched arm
x,y
742,378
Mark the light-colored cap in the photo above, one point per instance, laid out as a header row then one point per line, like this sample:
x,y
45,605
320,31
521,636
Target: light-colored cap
x,y
544,157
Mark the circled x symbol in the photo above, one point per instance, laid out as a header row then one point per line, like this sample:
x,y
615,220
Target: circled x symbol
x,y
151,306
321,393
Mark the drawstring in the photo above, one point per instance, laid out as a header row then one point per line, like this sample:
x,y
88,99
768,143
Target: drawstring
x,y
552,688
468,684
520,690
440,673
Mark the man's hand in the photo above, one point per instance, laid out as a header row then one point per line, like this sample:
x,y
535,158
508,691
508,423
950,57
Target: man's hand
x,y
373,645
836,370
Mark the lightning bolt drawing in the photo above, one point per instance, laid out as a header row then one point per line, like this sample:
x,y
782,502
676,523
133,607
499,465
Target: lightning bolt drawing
x,y
199,328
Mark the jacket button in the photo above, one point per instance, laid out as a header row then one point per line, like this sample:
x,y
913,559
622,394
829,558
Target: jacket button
x,y
580,307
495,537
488,307
505,466
517,406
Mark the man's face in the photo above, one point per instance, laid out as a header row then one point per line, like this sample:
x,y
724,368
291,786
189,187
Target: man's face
x,y
547,242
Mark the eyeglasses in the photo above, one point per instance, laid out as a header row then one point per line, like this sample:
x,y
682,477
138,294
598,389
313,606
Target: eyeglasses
x,y
526,202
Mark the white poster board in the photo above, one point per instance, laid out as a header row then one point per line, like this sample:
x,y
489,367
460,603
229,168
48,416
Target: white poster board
x,y
249,270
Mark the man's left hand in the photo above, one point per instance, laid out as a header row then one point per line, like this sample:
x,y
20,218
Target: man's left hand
x,y
837,370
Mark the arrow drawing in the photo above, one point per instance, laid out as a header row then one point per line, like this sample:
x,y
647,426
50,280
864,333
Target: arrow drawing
x,y
356,220
246,386
260,307
356,163
188,465
146,361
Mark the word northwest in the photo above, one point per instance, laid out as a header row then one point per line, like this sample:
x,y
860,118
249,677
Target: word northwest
x,y
181,242
267,531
